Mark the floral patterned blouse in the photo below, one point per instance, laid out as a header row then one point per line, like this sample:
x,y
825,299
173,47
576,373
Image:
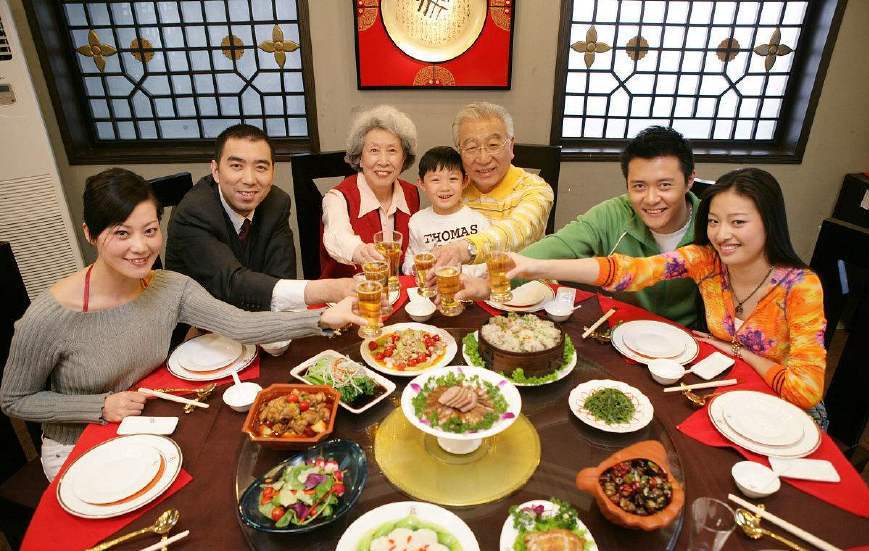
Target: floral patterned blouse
x,y
787,325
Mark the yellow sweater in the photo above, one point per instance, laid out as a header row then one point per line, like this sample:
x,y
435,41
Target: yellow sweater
x,y
787,325
518,208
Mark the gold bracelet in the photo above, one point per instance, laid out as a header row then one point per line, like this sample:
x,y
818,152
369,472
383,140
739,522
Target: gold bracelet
x,y
735,348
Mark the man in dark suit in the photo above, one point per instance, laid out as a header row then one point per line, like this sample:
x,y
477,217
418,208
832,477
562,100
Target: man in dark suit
x,y
231,231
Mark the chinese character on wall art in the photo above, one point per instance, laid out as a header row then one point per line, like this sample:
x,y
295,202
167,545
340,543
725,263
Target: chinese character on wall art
x,y
434,43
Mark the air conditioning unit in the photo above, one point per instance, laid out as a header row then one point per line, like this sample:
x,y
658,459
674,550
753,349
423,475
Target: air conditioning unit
x,y
34,216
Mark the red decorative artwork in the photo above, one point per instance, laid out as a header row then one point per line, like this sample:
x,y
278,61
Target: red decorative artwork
x,y
434,43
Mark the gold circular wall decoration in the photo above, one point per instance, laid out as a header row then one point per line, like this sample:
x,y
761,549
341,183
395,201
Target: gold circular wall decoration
x,y
142,49
433,30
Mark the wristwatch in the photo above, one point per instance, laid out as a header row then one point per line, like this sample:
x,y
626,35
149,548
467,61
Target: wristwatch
x,y
472,250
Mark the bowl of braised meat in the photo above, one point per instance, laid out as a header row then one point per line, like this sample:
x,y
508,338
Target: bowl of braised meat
x,y
634,487
292,416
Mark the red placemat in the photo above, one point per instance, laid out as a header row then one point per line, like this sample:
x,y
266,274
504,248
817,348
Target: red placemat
x,y
163,378
850,493
580,296
50,520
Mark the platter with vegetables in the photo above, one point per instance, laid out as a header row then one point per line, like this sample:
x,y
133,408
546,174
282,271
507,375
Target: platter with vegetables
x,y
408,526
360,387
308,490
407,349
611,406
542,524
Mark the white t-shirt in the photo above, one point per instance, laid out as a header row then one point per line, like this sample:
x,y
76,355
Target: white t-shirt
x,y
429,230
669,242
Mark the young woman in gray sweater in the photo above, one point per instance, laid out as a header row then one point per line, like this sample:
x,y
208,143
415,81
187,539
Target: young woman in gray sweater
x,y
93,334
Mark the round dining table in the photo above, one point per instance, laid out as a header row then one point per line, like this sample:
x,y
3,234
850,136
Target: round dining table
x,y
223,462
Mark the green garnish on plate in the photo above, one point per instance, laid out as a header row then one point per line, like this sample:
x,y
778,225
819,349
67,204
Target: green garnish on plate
x,y
472,349
458,423
610,405
530,520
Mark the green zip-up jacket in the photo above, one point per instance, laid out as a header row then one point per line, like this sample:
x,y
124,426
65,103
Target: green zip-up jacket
x,y
614,227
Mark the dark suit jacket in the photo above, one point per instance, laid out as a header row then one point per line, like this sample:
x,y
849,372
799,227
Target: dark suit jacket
x,y
203,244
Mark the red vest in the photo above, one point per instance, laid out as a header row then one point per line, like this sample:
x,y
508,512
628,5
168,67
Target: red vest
x,y
366,226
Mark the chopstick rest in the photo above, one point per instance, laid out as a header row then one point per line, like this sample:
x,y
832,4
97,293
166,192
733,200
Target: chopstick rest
x,y
172,398
597,324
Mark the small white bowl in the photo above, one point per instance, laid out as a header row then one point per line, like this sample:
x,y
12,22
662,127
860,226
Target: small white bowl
x,y
557,311
666,372
241,397
755,480
420,310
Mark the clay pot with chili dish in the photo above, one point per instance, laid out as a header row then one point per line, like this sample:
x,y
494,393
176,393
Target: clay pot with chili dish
x,y
634,487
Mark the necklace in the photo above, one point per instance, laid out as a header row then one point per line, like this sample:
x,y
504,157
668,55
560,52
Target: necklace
x,y
739,302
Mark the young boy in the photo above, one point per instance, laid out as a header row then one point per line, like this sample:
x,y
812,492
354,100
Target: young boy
x,y
442,179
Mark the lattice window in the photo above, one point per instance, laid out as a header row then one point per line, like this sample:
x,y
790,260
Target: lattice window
x,y
717,71
5,50
150,71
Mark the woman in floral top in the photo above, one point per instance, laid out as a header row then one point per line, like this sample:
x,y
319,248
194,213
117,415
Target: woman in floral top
x,y
763,304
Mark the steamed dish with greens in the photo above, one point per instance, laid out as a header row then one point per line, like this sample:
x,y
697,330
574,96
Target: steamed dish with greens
x,y
409,534
349,378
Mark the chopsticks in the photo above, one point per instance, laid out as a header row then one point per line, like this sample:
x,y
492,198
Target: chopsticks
x,y
597,324
161,544
783,524
710,384
172,398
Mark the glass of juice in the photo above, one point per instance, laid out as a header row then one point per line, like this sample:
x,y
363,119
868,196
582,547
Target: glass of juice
x,y
378,270
422,265
498,264
448,285
370,295
388,244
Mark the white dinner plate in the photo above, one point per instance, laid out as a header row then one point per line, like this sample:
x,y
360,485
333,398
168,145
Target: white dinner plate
x,y
524,297
770,428
667,332
561,373
654,344
508,391
509,533
115,472
208,352
391,512
643,410
378,378
448,356
171,459
247,357
811,438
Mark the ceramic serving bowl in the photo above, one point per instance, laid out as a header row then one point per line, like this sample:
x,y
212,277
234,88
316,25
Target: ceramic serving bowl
x,y
241,396
588,480
420,310
289,442
755,480
558,311
666,371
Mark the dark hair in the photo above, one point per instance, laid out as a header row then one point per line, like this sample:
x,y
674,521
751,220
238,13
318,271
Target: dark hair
x,y
440,158
110,196
242,132
659,141
759,186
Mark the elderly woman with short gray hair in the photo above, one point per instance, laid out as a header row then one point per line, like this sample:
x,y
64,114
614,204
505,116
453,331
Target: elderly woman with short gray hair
x,y
380,146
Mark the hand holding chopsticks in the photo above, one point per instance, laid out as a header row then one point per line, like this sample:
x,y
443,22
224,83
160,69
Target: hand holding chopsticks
x,y
172,398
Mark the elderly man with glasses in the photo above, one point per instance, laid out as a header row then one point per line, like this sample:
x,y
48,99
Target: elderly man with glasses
x,y
516,202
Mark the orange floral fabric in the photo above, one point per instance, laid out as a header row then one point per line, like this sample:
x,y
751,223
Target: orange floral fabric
x,y
787,325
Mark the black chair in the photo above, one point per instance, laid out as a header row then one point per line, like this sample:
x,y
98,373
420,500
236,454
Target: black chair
x,y
546,159
841,260
169,191
307,168
21,481
700,186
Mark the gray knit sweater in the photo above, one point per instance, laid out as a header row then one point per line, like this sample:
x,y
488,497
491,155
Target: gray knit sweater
x,y
63,363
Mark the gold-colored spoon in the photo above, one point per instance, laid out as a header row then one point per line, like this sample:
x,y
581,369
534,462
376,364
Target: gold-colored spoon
x,y
201,395
164,523
750,524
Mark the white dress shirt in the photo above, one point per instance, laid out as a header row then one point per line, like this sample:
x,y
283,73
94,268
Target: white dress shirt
x,y
339,237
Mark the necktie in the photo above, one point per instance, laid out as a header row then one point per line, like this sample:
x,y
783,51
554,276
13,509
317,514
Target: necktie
x,y
245,229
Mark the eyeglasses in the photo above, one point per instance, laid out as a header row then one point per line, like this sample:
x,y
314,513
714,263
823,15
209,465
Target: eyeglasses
x,y
492,148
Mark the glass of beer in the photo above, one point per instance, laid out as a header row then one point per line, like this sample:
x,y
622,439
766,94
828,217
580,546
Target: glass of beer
x,y
370,295
422,264
498,264
448,285
378,270
389,245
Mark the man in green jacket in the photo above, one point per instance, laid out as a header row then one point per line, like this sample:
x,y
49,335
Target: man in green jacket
x,y
656,215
